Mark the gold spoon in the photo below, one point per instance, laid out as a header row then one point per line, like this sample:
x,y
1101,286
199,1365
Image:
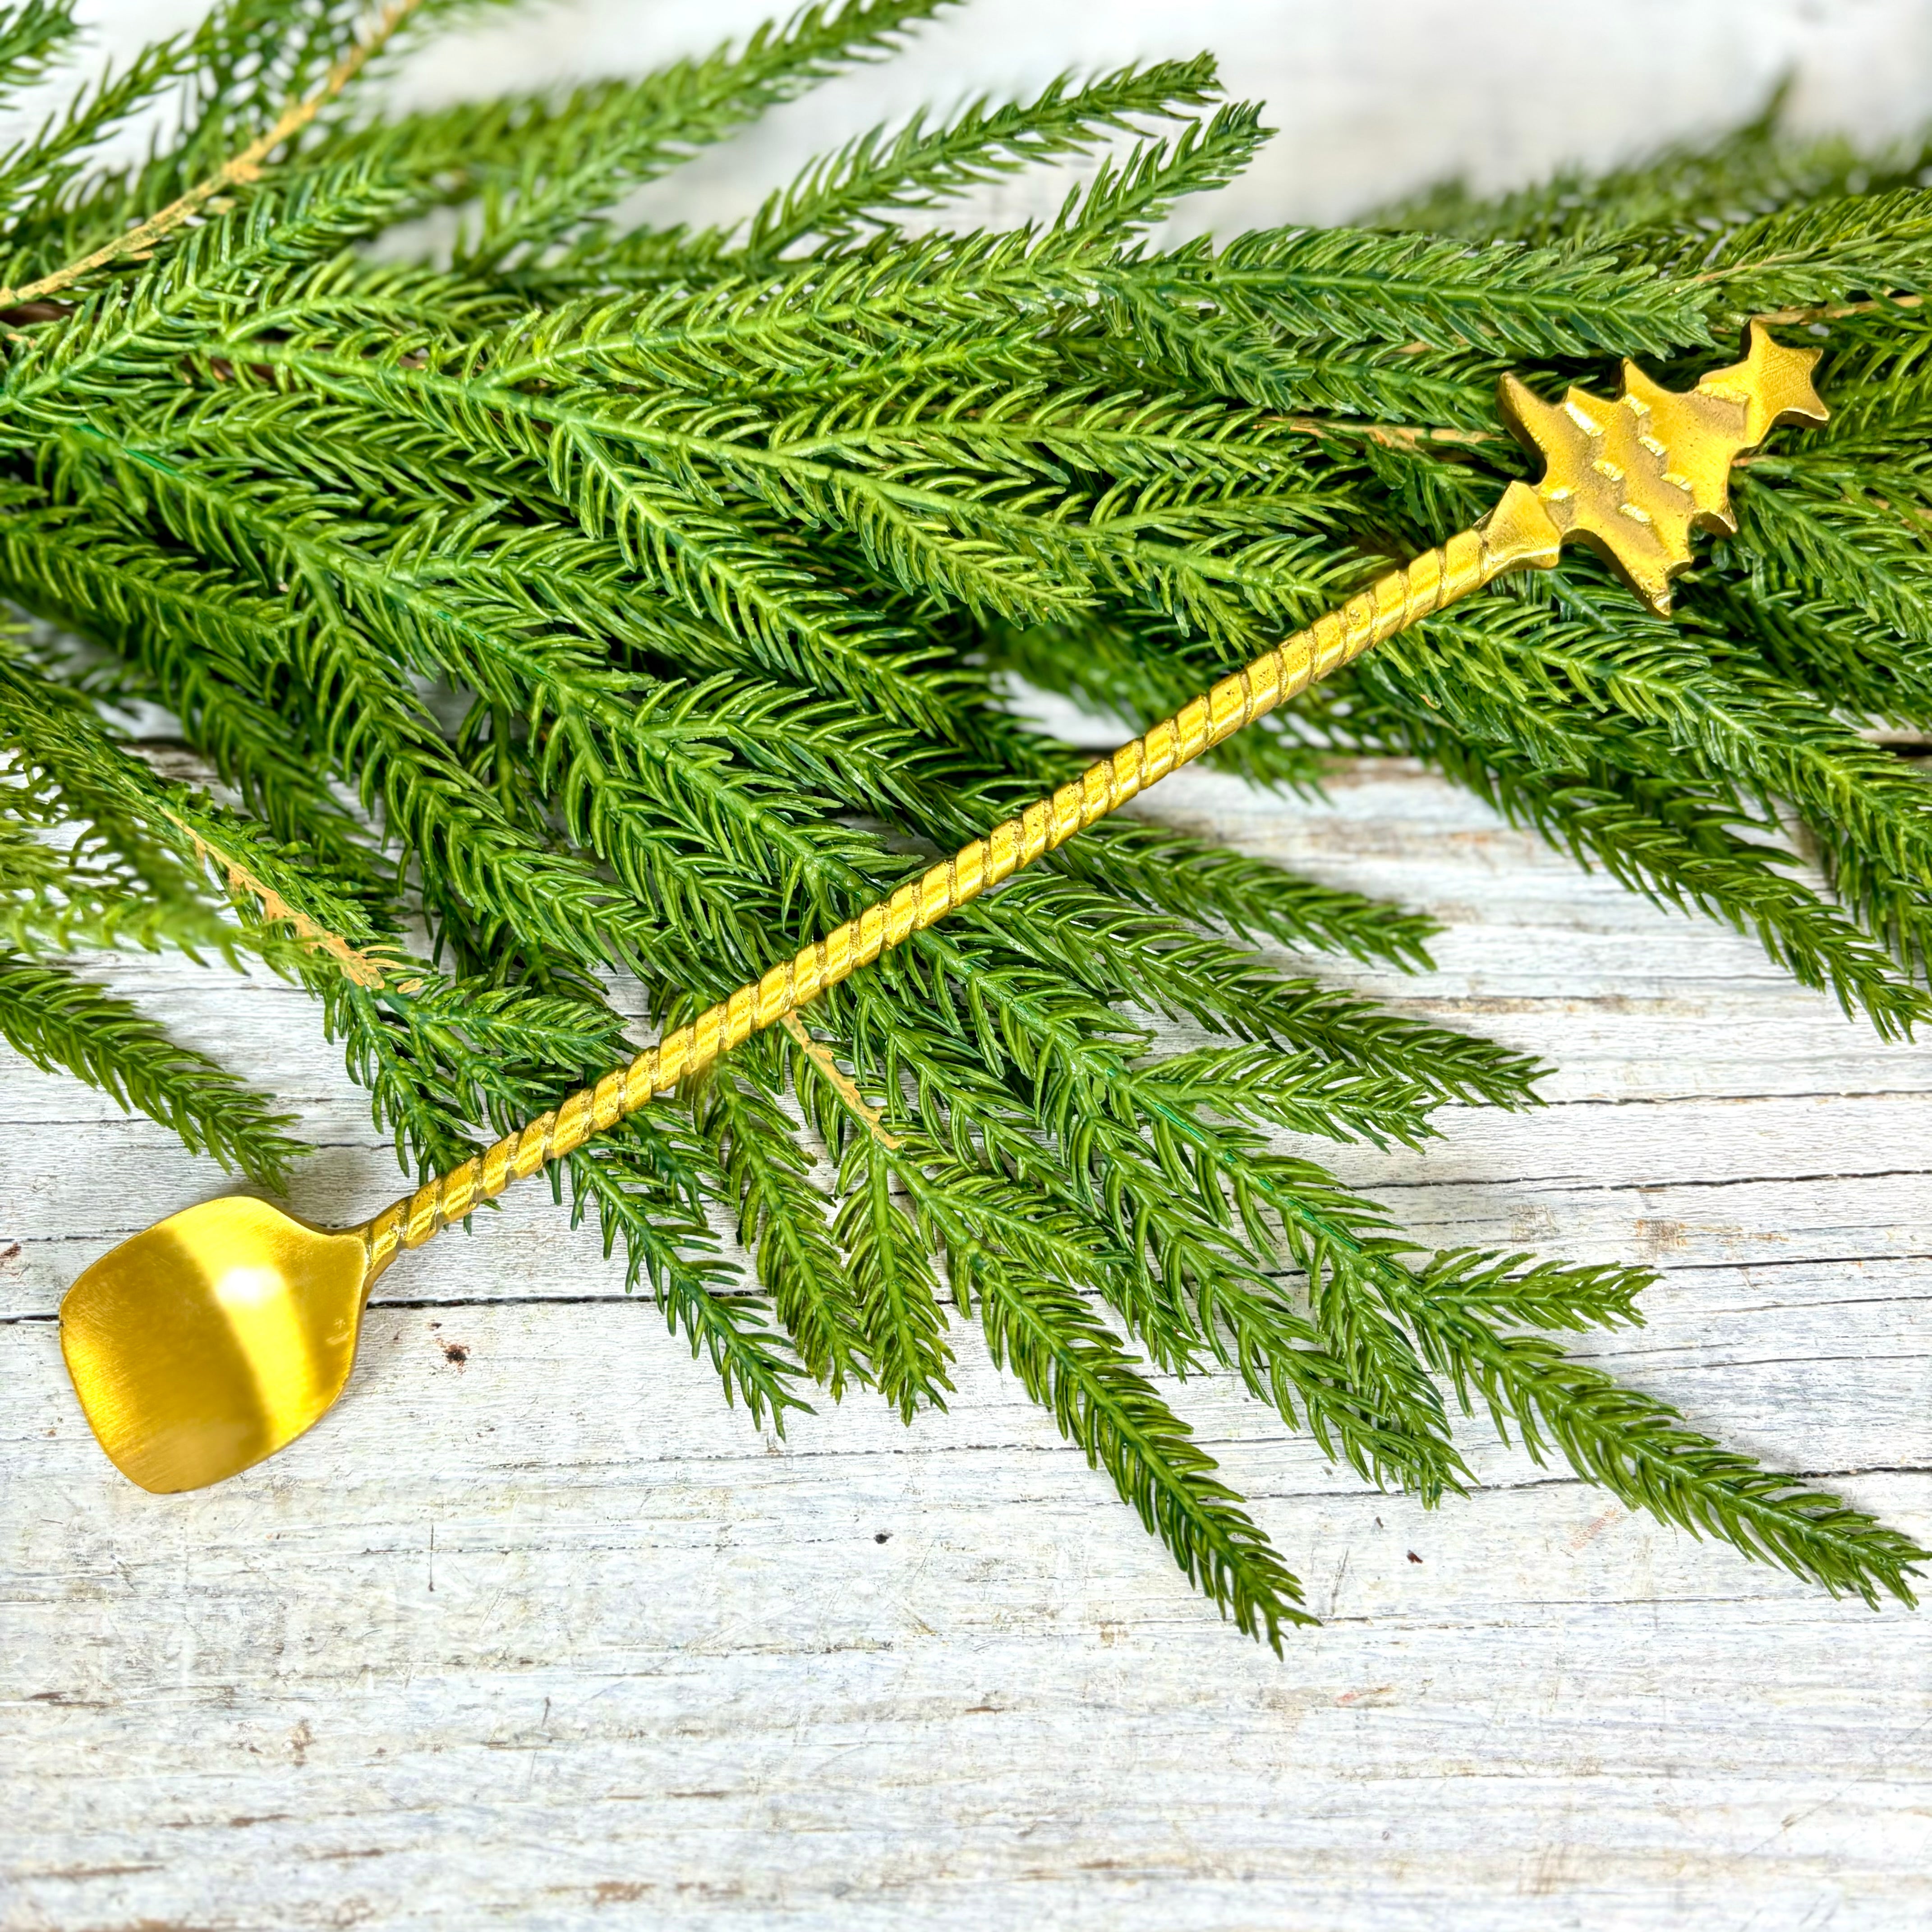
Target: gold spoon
x,y
209,1341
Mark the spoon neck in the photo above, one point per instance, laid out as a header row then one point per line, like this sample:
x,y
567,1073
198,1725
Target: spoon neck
x,y
381,1244
452,1197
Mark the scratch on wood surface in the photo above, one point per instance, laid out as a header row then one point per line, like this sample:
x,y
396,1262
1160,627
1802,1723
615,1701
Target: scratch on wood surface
x,y
1656,1239
237,1824
621,1891
1554,1868
73,1874
1594,1528
1374,1697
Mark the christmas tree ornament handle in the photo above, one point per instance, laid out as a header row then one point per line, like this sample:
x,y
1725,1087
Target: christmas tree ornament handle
x,y
207,1342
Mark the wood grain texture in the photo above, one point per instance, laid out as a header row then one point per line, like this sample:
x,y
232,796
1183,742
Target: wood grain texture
x,y
532,1631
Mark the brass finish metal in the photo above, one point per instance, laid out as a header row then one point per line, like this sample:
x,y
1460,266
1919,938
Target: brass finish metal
x,y
1632,477
214,1338
207,1343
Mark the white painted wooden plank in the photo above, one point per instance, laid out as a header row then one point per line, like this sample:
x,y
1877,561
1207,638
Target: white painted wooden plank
x,y
666,1674
631,1651
1660,1146
1746,1228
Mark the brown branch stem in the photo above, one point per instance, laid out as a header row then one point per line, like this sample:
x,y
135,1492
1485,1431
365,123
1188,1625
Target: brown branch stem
x,y
237,170
847,1091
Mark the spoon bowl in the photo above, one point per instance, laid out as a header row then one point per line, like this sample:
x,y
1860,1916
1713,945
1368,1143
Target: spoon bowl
x,y
213,1339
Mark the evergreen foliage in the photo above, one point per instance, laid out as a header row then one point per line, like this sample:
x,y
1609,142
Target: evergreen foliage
x,y
724,539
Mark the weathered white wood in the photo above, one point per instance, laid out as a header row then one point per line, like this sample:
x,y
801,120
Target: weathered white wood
x,y
546,1636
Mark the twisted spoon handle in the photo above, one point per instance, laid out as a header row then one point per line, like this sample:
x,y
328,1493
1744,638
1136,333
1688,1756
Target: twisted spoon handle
x,y
1516,535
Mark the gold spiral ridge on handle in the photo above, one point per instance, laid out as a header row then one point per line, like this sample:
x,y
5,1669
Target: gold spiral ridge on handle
x,y
1516,535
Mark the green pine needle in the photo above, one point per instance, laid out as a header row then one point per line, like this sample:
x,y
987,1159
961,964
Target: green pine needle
x,y
60,1022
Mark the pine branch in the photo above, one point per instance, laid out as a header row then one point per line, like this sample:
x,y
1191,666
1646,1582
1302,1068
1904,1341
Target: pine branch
x,y
37,172
1628,1442
1345,285
57,1021
1638,1449
542,170
1067,1361
919,167
34,35
643,1186
784,1219
899,1294
631,597
1823,251
239,169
